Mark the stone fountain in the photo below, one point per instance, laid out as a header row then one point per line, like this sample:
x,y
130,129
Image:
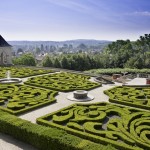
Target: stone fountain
x,y
8,79
80,96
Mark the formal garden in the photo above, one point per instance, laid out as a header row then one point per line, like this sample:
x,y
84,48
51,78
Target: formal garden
x,y
63,82
121,123
21,98
138,97
123,127
22,72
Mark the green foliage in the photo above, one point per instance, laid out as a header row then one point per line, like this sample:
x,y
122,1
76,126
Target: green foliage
x,y
117,71
132,96
21,98
122,127
47,62
21,72
63,82
26,59
44,138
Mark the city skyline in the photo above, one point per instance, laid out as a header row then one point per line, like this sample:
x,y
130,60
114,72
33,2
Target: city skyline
x,y
62,20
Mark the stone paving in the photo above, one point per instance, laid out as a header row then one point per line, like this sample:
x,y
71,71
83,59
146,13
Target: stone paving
x,y
9,143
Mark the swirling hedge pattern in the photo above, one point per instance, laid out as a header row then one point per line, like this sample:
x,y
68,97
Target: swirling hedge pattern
x,y
20,98
123,127
132,96
63,82
22,72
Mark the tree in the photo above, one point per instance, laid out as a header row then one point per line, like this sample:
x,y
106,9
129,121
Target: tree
x,y
65,63
26,59
47,62
57,63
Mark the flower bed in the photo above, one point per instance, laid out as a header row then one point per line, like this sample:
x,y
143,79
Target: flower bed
x,y
21,98
63,82
122,127
132,96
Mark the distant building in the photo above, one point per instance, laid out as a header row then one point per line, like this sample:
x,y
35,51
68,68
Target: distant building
x,y
5,52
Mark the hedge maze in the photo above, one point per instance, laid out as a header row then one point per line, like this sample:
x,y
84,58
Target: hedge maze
x,y
21,98
122,127
132,96
22,72
63,82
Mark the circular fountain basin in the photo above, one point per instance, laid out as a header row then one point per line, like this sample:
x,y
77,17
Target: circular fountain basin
x,y
80,95
11,80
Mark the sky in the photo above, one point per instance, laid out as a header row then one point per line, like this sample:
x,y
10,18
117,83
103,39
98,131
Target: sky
x,y
59,20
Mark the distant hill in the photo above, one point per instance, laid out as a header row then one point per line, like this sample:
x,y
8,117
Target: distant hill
x,y
75,43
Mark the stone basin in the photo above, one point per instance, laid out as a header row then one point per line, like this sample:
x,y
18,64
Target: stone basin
x,y
11,80
80,94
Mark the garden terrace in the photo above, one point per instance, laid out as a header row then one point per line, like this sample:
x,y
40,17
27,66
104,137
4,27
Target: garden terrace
x,y
132,96
44,138
63,82
122,127
22,72
21,98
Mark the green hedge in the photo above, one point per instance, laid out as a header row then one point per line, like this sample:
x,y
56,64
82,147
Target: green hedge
x,y
44,138
63,82
22,72
111,71
132,96
103,123
18,98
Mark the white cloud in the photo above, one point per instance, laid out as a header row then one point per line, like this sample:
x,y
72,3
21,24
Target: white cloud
x,y
70,4
139,13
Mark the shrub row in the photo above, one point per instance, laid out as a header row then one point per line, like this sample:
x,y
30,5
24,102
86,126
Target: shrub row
x,y
21,98
44,138
22,72
117,70
63,82
132,96
103,123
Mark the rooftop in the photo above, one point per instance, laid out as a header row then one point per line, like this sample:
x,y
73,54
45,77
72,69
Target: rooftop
x,y
3,43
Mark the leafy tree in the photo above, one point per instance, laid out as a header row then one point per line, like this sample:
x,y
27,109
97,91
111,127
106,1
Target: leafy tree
x,y
57,63
26,59
47,62
65,63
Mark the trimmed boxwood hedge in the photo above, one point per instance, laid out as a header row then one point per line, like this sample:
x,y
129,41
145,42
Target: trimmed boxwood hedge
x,y
22,72
63,82
18,98
132,96
122,127
45,138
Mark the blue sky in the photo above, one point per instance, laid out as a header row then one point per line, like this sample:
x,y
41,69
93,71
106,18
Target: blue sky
x,y
74,19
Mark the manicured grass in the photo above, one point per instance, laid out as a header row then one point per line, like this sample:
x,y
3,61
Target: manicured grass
x,y
138,97
123,127
21,98
63,82
21,72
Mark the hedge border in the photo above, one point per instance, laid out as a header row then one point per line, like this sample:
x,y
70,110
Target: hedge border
x,y
45,138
